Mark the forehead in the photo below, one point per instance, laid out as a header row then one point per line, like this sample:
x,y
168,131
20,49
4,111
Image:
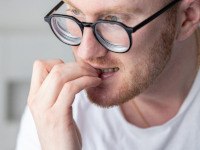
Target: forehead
x,y
98,6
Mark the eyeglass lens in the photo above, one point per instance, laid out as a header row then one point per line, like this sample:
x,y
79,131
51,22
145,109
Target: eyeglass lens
x,y
110,35
67,30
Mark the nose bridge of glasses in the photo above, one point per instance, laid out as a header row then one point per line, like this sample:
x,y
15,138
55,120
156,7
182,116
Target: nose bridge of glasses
x,y
87,24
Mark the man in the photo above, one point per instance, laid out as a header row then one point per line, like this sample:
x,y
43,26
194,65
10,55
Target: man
x,y
141,57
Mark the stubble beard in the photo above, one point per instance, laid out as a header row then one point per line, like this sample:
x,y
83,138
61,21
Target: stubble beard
x,y
143,76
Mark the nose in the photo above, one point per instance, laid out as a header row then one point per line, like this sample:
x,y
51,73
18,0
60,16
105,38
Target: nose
x,y
90,48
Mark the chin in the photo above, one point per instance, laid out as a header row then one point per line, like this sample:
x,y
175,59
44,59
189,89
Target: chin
x,y
102,97
107,96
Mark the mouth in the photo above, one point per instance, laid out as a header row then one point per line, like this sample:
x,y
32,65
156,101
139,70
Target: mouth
x,y
107,72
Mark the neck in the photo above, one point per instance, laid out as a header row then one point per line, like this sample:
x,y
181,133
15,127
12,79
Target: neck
x,y
162,100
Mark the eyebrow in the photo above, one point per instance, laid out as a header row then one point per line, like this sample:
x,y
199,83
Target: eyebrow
x,y
115,9
119,9
71,4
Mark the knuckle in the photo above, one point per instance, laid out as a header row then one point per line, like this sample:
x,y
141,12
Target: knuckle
x,y
57,68
57,77
70,87
38,64
57,74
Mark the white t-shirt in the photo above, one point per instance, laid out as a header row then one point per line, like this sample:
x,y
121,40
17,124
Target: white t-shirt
x,y
106,129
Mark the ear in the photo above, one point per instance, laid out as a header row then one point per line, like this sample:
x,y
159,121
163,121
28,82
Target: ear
x,y
189,18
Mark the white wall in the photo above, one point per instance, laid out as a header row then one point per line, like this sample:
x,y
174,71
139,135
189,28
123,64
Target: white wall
x,y
24,37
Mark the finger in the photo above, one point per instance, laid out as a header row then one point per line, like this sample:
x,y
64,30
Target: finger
x,y
56,79
70,89
81,63
40,70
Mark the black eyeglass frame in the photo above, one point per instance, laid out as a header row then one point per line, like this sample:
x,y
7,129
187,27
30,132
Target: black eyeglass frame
x,y
128,29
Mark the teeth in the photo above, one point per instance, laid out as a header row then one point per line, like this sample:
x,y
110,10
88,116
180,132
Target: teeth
x,y
107,70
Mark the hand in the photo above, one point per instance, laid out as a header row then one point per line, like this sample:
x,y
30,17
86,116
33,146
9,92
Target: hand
x,y
52,92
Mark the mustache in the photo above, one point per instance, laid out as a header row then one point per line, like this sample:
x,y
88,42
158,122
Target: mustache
x,y
105,61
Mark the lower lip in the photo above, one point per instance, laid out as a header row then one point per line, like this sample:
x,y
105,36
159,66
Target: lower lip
x,y
107,75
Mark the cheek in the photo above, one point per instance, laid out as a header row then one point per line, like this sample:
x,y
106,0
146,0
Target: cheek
x,y
142,43
138,68
139,60
145,37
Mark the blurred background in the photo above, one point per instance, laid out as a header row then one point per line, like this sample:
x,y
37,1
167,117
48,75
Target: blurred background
x,y
24,37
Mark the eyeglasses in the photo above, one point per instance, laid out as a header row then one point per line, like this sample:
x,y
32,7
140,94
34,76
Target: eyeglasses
x,y
113,35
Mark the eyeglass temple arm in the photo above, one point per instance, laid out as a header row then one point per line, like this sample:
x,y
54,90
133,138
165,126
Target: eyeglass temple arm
x,y
134,29
54,9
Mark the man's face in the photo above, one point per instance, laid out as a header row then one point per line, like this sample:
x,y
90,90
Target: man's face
x,y
141,65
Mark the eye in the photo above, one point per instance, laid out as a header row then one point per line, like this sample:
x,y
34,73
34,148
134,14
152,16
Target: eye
x,y
73,12
112,18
